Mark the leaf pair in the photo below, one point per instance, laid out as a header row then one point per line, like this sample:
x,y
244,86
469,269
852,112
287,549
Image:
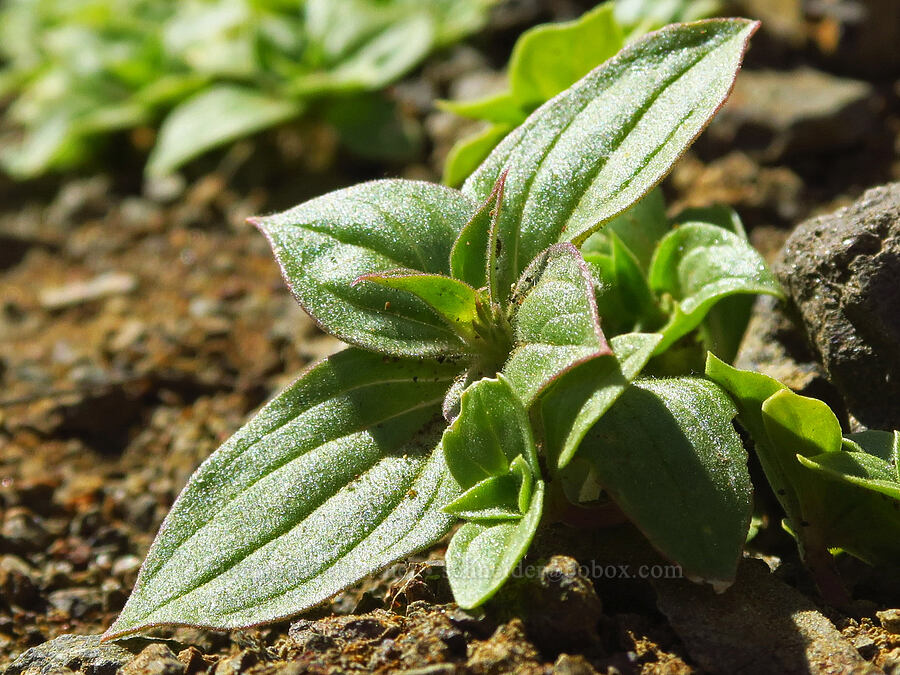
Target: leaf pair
x,y
837,493
491,453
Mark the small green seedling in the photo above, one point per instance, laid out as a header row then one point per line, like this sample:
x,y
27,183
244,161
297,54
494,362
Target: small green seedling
x,y
550,58
480,380
838,493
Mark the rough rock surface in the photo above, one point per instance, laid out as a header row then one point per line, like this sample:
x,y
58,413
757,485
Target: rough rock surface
x,y
759,625
842,271
72,653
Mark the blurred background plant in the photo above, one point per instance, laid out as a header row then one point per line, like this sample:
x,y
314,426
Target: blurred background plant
x,y
206,72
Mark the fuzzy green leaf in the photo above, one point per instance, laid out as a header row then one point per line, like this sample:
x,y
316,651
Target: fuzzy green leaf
x,y
505,497
491,431
572,403
473,257
882,444
598,147
324,245
667,453
556,325
454,301
482,556
698,265
336,477
212,118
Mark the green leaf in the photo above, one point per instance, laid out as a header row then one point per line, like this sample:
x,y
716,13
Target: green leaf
x,y
856,468
212,118
47,144
382,58
473,257
806,425
482,556
698,265
550,58
717,214
882,444
455,302
822,513
598,147
556,325
467,153
491,431
499,109
749,391
624,299
336,477
494,498
325,244
505,497
571,404
639,16
667,453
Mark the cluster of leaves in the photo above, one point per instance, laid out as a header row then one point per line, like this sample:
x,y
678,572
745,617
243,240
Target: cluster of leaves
x,y
838,493
480,386
212,70
480,378
550,58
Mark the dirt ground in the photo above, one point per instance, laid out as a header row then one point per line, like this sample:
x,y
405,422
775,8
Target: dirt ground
x,y
142,323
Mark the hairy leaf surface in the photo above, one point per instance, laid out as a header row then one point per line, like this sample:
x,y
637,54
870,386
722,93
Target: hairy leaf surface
x,y
598,147
699,265
336,477
325,244
667,453
482,556
572,403
454,301
557,324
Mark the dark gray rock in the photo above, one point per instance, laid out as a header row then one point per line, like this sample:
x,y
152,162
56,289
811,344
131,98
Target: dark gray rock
x,y
78,653
842,272
775,114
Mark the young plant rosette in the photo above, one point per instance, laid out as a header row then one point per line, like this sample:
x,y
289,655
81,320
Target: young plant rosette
x,y
479,378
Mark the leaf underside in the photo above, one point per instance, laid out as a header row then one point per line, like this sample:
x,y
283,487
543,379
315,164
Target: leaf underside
x,y
338,476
